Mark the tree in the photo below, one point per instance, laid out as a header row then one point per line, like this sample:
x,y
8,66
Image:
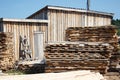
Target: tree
x,y
117,23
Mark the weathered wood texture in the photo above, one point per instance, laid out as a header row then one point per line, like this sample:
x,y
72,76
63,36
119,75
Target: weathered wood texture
x,y
114,61
106,34
78,56
21,29
6,51
92,34
61,18
92,48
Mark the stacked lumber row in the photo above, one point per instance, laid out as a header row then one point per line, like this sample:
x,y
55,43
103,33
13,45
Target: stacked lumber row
x,y
93,65
115,58
114,61
62,57
91,34
6,51
106,34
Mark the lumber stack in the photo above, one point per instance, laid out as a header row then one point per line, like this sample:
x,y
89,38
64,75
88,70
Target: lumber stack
x,y
84,56
91,34
88,48
105,34
6,51
114,61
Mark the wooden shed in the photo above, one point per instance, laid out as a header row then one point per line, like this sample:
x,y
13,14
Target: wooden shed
x,y
25,27
61,18
49,25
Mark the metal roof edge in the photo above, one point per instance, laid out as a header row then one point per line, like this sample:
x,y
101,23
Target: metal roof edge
x,y
79,10
24,20
71,9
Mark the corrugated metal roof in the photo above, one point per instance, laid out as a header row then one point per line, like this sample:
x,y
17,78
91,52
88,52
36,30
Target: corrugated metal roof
x,y
73,9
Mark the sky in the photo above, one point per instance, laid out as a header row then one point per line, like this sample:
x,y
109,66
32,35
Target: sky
x,y
24,8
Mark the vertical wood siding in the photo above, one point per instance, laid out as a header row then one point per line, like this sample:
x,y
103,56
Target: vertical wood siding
x,y
24,29
60,20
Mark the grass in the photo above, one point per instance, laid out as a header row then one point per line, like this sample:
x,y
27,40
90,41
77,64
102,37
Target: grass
x,y
14,72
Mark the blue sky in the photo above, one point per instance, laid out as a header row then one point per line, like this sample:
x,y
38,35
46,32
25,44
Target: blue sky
x,y
24,8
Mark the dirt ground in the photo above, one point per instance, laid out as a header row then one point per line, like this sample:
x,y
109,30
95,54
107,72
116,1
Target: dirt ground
x,y
112,76
108,76
71,75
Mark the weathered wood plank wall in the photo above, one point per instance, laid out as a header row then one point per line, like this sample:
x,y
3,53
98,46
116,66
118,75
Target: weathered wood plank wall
x,y
24,29
60,20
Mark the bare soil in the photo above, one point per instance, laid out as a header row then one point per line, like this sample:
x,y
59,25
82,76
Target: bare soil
x,y
112,76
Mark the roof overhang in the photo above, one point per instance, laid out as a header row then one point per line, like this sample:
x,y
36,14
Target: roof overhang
x,y
72,9
79,10
24,20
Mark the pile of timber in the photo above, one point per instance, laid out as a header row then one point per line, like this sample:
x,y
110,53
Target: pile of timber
x,y
91,34
6,51
105,34
76,56
114,61
95,48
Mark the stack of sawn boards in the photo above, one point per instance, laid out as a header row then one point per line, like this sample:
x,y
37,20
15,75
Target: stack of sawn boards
x,y
91,34
105,34
85,56
89,48
6,51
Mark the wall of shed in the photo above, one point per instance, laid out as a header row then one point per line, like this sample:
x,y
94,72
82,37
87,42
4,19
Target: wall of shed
x,y
60,20
24,29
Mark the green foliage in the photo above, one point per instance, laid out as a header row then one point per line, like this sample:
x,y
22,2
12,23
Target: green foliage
x,y
117,23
